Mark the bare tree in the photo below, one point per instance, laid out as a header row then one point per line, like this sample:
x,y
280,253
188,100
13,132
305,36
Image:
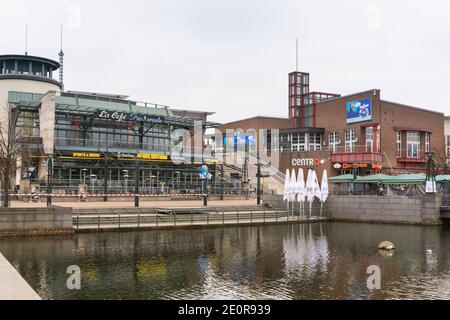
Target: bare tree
x,y
11,147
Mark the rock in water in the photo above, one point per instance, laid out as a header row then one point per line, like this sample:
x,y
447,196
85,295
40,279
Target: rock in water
x,y
386,245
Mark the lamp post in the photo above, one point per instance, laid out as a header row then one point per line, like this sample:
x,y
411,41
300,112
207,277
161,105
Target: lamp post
x,y
431,173
126,183
222,178
83,173
136,184
49,180
125,176
151,183
92,176
258,185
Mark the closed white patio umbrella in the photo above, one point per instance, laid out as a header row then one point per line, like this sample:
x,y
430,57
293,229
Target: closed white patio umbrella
x,y
293,189
301,192
325,191
287,182
310,190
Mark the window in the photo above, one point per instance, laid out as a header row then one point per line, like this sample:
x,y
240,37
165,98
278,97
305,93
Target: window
x,y
298,142
369,139
333,141
412,144
378,139
427,142
350,140
315,142
399,144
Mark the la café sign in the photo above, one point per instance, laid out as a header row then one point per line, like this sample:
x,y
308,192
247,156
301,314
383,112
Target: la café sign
x,y
313,162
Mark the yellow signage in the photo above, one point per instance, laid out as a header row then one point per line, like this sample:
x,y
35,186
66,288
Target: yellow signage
x,y
86,155
152,156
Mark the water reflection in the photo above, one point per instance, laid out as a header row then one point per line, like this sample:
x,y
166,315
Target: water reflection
x,y
320,261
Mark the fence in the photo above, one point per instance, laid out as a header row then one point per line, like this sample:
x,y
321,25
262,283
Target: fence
x,y
446,200
94,219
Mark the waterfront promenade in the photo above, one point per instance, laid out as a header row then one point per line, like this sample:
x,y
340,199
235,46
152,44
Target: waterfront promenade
x,y
142,204
13,286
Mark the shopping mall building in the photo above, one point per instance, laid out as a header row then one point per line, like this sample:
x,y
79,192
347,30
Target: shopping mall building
x,y
98,140
357,133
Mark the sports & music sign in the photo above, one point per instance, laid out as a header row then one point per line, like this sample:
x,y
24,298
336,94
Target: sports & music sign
x,y
359,111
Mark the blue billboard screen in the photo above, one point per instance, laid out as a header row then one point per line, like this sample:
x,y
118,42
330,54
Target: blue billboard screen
x,y
359,110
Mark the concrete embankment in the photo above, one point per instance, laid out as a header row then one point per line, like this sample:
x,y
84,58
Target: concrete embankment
x,y
36,221
396,210
12,285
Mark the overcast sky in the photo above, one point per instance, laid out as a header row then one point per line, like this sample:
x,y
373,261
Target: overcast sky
x,y
232,57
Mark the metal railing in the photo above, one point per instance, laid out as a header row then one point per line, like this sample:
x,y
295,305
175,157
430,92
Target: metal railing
x,y
446,200
99,220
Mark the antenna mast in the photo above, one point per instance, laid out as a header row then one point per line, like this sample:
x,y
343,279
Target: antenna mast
x,y
296,55
61,62
26,39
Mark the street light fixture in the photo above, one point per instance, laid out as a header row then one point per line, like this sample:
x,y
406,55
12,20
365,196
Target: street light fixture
x,y
151,183
93,176
126,182
84,175
431,173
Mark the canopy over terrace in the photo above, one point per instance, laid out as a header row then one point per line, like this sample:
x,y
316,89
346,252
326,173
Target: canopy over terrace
x,y
386,179
342,179
443,178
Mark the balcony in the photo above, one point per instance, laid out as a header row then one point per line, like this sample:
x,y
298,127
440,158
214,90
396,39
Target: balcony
x,y
356,154
126,146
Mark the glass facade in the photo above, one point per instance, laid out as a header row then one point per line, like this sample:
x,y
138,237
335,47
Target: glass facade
x,y
79,131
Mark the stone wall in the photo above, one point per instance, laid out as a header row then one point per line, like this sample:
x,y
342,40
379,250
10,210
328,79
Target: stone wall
x,y
36,222
376,209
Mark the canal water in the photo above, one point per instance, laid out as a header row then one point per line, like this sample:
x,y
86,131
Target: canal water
x,y
318,261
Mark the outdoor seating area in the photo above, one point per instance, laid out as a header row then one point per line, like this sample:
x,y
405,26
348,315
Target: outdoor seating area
x,y
411,185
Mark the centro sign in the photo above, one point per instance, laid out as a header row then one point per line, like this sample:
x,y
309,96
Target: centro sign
x,y
307,162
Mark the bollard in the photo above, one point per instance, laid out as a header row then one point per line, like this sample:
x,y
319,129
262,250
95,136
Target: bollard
x,y
157,218
139,219
119,220
98,221
78,220
251,216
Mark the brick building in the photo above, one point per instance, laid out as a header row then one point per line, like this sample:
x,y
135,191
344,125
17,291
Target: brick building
x,y
357,132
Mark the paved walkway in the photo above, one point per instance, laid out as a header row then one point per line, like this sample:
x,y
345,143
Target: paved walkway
x,y
13,286
143,204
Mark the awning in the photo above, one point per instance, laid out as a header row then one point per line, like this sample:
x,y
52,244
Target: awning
x,y
443,178
342,179
406,179
376,178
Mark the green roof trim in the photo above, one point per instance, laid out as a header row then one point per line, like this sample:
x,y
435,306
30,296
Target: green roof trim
x,y
129,106
385,179
406,179
342,179
376,178
443,178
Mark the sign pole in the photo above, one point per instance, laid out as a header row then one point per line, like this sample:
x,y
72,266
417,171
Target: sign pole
x,y
136,184
49,180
